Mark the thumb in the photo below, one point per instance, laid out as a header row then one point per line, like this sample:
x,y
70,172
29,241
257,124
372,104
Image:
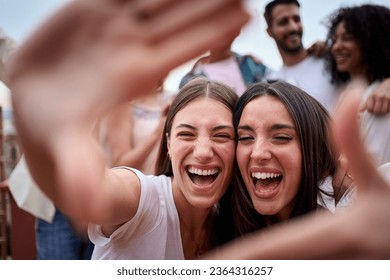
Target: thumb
x,y
363,106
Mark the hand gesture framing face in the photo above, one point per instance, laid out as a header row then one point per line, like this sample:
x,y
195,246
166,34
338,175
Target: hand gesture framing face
x,y
359,232
90,56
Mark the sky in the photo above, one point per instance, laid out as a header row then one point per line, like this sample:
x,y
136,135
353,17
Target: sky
x,y
18,18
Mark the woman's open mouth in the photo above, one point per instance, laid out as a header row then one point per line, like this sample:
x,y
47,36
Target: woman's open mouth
x,y
202,177
266,182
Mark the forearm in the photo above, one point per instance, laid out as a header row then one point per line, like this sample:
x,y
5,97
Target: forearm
x,y
307,238
135,157
70,170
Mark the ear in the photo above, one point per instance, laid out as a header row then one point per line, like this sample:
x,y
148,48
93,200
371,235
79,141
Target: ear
x,y
269,32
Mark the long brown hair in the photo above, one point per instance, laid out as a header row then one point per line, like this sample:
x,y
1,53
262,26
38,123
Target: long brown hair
x,y
220,221
318,159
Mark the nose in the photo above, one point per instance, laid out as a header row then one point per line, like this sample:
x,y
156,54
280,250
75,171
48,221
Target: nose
x,y
293,26
336,45
203,150
261,150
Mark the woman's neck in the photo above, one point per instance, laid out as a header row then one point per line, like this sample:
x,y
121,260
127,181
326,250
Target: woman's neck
x,y
359,74
195,225
358,80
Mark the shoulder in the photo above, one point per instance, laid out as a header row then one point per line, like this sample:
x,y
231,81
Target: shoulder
x,y
151,181
248,58
193,73
252,66
314,61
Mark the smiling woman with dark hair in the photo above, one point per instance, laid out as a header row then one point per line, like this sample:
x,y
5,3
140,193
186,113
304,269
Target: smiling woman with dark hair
x,y
360,50
173,213
123,50
366,27
284,156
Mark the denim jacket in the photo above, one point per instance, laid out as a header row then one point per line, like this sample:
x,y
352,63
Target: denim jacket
x,y
252,71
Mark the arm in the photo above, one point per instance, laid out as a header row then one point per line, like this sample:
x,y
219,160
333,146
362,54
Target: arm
x,y
110,51
379,100
120,131
318,49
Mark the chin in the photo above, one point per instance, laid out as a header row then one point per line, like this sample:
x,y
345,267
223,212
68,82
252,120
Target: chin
x,y
342,69
265,210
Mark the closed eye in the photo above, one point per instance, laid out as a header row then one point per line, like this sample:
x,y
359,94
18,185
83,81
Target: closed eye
x,y
245,139
245,134
223,135
282,139
185,135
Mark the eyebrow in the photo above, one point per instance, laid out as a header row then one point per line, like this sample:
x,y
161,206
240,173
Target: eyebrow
x,y
218,127
273,127
282,126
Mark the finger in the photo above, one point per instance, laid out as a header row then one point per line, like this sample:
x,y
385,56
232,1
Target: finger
x,y
377,107
385,107
370,103
363,106
347,134
147,8
68,25
175,18
171,52
310,50
199,38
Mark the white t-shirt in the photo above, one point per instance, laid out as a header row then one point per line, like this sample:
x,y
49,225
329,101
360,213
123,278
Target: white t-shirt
x,y
349,196
311,76
329,202
226,71
152,234
376,131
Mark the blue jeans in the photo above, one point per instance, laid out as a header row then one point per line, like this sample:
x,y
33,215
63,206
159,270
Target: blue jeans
x,y
59,241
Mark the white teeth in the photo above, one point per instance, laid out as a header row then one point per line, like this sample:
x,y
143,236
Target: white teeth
x,y
202,172
265,175
340,56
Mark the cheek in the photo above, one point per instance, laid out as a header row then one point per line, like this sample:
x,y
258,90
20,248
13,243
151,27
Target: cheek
x,y
333,50
357,59
228,153
177,151
295,168
292,158
279,32
242,156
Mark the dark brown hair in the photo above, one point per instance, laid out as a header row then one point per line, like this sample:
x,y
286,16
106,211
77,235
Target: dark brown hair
x,y
269,7
311,121
369,26
221,221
